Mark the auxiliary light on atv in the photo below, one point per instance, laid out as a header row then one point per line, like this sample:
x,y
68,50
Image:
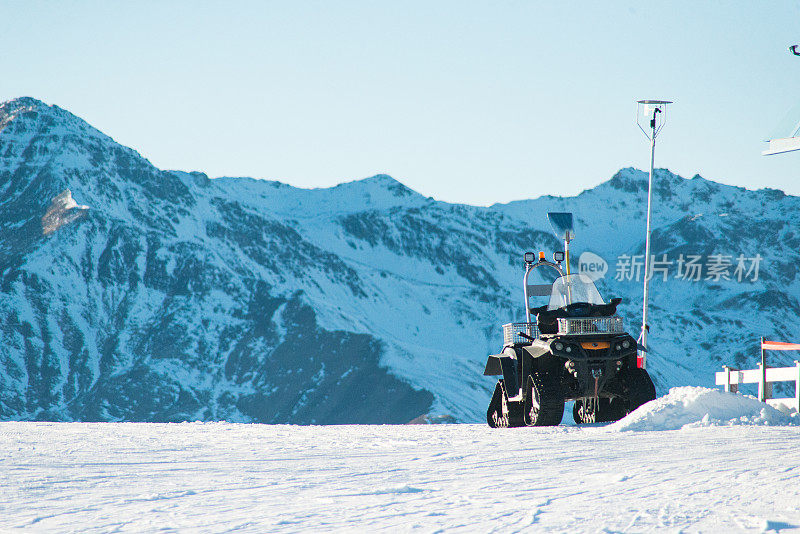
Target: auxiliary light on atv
x,y
530,257
558,257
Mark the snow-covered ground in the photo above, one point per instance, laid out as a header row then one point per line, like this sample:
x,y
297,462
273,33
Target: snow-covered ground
x,y
732,467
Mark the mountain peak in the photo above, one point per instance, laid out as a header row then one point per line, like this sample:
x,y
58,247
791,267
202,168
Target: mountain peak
x,y
32,115
10,109
380,179
380,183
22,102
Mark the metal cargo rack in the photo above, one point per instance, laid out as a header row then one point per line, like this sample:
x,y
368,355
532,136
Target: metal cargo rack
x,y
511,332
578,326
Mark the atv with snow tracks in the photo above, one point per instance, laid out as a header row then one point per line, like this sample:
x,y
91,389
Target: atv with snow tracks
x,y
575,350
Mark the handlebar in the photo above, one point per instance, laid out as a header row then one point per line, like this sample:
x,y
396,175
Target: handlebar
x,y
526,336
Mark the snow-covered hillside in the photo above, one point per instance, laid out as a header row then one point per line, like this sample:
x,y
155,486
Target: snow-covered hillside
x,y
723,471
169,296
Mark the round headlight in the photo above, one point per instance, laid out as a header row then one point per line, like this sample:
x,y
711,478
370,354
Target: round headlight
x,y
626,343
618,347
569,349
559,346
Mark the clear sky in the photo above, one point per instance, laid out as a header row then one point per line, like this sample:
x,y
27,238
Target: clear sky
x,y
476,102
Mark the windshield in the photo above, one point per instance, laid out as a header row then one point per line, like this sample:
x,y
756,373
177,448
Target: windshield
x,y
573,288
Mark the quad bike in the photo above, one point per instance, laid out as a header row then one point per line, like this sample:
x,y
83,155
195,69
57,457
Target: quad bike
x,y
575,350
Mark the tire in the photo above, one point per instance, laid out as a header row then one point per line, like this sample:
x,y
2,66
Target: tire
x,y
637,387
543,404
609,410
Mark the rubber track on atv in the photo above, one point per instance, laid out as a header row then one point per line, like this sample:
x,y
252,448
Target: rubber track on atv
x,y
494,416
610,410
638,386
551,400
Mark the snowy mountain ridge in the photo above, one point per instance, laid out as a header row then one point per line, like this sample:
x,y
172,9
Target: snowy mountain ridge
x,y
178,297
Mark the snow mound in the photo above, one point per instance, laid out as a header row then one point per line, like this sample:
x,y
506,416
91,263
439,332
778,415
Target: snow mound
x,y
696,407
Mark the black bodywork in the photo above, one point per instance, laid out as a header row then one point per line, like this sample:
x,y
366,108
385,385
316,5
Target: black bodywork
x,y
576,380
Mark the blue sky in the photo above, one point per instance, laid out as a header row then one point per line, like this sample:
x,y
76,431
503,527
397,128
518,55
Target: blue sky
x,y
476,102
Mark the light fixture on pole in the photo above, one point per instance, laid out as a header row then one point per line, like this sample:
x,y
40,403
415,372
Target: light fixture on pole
x,y
786,136
654,111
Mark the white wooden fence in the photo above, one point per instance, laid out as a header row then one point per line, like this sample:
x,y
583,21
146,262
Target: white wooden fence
x,y
765,376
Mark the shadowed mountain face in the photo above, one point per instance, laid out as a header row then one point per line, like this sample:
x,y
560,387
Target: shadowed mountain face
x,y
131,293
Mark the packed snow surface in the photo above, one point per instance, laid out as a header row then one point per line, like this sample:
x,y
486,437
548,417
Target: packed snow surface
x,y
215,477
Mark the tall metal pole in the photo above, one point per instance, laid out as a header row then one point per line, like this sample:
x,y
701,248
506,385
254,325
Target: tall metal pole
x,y
657,106
645,326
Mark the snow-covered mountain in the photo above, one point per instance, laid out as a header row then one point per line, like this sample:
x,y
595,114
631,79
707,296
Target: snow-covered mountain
x,y
132,293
